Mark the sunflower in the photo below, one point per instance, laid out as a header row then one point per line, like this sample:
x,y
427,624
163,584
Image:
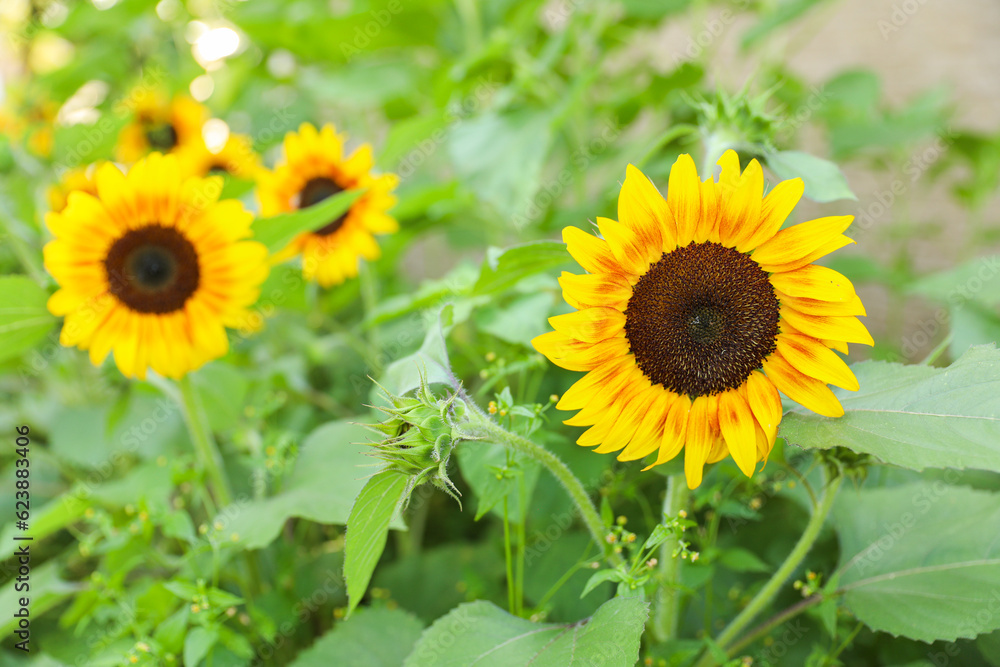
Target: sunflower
x,y
152,267
315,169
236,157
77,179
159,126
695,311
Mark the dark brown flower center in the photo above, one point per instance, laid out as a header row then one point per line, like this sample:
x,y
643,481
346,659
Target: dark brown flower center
x,y
702,319
316,190
161,136
152,269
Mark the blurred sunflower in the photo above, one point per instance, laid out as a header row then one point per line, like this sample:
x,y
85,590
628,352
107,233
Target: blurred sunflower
x,y
236,157
695,311
79,179
314,169
159,126
153,267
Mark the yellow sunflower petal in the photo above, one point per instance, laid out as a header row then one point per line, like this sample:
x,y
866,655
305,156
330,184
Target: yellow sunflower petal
x,y
838,242
814,282
674,430
702,432
708,222
739,215
764,401
846,329
629,250
774,210
813,358
684,198
611,290
804,390
590,324
795,243
599,380
649,435
852,306
591,252
736,422
642,208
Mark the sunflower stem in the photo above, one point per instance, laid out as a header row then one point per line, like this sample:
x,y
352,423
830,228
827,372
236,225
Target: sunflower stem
x,y
667,615
484,428
204,444
787,569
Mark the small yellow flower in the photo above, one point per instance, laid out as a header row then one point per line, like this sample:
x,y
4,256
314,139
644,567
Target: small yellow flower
x,y
314,168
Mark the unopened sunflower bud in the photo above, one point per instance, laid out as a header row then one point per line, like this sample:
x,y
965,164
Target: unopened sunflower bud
x,y
420,434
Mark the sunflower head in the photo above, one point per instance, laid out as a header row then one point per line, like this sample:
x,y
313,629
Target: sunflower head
x,y
236,157
694,311
159,125
152,267
313,169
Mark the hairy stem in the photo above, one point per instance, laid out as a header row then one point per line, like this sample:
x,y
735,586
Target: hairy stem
x,y
667,614
485,429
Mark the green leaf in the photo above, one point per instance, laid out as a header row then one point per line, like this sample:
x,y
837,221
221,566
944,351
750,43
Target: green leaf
x,y
739,559
520,321
24,318
599,578
429,363
47,590
989,646
780,14
480,633
503,268
198,643
370,638
484,467
500,158
823,179
328,474
367,530
921,560
278,231
915,416
977,280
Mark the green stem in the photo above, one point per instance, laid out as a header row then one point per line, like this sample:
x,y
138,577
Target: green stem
x,y
667,615
511,604
485,429
204,444
774,584
773,622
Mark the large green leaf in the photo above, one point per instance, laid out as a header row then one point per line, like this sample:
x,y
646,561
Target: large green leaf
x,y
823,179
915,416
367,530
921,560
505,267
976,280
480,633
278,231
370,638
428,364
24,319
329,473
500,158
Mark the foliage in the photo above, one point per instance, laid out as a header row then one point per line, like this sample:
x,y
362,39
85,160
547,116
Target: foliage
x,y
506,121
